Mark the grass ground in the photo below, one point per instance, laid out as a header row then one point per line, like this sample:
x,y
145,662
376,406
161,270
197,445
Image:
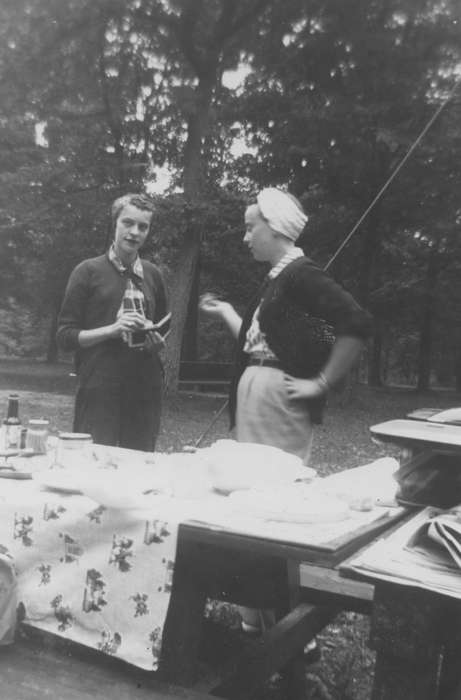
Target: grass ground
x,y
342,442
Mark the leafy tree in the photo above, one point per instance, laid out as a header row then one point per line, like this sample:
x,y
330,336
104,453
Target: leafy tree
x,y
334,97
332,105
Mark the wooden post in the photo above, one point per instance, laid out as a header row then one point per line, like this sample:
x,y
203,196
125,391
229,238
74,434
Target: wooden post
x,y
183,625
408,628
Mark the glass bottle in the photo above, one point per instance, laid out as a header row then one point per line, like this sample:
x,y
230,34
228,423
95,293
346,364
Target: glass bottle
x,y
12,424
37,435
135,338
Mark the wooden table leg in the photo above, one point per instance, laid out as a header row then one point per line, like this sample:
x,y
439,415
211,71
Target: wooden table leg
x,y
255,665
183,625
295,671
450,672
281,647
408,627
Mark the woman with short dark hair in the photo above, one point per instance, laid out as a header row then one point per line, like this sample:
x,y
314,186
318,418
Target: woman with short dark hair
x,y
110,300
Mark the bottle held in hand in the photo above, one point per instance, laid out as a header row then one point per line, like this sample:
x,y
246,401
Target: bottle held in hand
x,y
135,338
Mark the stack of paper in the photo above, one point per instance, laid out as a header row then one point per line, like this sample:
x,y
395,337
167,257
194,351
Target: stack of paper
x,y
424,552
445,530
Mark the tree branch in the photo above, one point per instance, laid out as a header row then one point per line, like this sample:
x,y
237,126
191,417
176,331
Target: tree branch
x,y
184,30
245,18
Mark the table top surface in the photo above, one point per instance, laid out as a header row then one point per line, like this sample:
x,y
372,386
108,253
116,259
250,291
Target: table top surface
x,y
329,554
324,544
402,430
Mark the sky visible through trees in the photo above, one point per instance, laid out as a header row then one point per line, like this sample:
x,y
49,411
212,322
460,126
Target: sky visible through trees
x,y
207,101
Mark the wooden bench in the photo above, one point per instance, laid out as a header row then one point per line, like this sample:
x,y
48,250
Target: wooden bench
x,y
204,376
40,667
320,586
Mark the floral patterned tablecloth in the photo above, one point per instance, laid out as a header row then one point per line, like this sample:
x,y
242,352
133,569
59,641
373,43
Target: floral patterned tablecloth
x,y
99,576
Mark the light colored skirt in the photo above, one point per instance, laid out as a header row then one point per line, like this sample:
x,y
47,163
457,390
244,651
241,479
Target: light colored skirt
x,y
266,414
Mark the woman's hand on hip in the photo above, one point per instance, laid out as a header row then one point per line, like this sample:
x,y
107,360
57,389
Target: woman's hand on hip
x,y
302,388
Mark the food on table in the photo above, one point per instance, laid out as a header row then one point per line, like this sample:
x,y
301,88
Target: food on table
x,y
364,487
234,466
290,504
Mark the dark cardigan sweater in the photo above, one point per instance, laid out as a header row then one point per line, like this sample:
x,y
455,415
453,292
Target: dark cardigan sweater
x,y
92,299
302,310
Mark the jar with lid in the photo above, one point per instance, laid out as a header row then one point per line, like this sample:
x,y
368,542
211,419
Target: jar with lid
x,y
12,424
37,435
73,450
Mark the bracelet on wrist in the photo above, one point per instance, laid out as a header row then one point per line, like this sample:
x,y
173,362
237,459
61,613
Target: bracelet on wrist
x,y
323,382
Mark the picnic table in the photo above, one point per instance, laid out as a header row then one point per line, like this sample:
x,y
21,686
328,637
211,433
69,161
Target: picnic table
x,y
415,631
300,581
308,581
295,571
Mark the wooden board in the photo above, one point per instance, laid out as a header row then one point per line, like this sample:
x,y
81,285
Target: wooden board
x,y
328,554
414,431
423,413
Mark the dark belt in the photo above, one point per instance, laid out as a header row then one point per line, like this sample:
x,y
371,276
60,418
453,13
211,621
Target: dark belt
x,y
261,362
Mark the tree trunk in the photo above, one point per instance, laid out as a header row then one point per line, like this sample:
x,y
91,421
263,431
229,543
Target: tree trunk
x,y
425,334
185,271
458,369
368,274
375,357
189,349
179,297
52,349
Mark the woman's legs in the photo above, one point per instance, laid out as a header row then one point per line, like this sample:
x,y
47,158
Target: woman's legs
x,y
266,415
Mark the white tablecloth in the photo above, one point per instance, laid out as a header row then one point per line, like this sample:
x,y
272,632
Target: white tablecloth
x,y
101,575
96,575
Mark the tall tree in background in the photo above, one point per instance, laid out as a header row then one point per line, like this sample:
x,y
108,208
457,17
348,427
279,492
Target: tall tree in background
x,y
129,85
333,105
95,96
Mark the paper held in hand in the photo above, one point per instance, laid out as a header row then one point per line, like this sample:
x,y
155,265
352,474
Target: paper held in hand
x,y
163,327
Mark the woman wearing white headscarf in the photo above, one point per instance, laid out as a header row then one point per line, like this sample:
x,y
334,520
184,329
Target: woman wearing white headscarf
x,y
298,337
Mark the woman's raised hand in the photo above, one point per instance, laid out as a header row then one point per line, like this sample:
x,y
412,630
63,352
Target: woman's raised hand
x,y
211,304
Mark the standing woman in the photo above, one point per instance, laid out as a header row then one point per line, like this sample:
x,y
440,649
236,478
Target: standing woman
x,y
299,336
109,302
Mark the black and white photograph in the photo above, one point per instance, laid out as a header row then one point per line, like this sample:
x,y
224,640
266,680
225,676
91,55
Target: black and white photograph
x,y
230,349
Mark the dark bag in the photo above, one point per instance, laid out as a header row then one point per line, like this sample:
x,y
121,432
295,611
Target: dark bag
x,y
430,479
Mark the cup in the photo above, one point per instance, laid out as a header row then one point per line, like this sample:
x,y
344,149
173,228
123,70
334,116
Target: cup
x,y
37,435
73,450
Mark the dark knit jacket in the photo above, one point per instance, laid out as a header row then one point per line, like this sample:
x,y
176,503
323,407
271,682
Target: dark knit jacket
x,y
92,299
302,311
